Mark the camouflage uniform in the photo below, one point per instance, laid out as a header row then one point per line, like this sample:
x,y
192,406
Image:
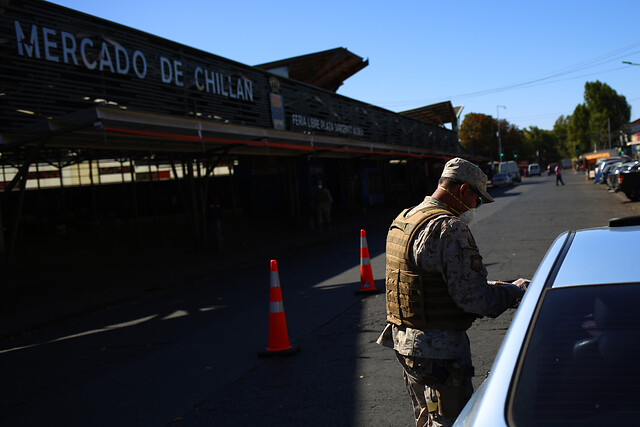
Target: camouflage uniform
x,y
439,361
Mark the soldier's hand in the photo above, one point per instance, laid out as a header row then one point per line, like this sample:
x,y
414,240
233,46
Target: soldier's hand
x,y
498,283
522,283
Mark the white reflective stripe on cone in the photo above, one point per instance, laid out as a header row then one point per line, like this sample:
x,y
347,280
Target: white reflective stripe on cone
x,y
276,307
275,279
365,261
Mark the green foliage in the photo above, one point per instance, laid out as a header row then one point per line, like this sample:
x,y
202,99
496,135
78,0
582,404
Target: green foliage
x,y
512,142
478,133
561,133
578,130
542,144
603,113
604,103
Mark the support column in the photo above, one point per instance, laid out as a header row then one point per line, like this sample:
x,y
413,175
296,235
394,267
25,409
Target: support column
x,y
6,287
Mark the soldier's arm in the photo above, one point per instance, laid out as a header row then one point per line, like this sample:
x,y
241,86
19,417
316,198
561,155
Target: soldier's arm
x,y
466,275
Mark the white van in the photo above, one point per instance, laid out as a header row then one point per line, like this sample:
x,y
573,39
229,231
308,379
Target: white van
x,y
511,169
533,169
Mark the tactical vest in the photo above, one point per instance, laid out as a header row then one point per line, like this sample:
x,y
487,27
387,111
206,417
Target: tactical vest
x,y
415,297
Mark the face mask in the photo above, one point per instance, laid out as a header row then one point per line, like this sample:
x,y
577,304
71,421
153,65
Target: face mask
x,y
468,216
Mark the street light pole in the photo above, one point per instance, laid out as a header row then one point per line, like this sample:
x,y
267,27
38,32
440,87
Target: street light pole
x,y
499,140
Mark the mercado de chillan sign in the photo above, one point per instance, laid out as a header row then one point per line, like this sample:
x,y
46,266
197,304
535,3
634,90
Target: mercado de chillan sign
x,y
56,61
111,57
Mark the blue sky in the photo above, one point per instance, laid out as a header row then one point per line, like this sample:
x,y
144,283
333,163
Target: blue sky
x,y
531,57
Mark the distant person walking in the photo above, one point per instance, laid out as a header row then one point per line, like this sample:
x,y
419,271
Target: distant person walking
x,y
322,202
559,175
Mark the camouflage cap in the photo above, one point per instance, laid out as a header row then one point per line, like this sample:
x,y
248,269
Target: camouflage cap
x,y
465,171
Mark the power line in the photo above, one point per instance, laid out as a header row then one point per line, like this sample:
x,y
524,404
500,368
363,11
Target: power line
x,y
546,78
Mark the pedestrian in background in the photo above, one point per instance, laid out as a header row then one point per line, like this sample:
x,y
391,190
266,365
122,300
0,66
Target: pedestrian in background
x,y
322,202
436,286
559,175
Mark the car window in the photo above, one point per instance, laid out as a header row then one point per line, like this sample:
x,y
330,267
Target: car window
x,y
581,362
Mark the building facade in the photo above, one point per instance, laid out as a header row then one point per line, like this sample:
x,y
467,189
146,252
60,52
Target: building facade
x,y
101,122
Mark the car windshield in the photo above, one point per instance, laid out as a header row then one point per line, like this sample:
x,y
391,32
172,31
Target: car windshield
x,y
581,362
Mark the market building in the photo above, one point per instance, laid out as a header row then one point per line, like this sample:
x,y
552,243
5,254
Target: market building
x,y
103,125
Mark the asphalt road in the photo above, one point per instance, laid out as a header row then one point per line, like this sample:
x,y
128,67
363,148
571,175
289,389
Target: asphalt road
x,y
188,356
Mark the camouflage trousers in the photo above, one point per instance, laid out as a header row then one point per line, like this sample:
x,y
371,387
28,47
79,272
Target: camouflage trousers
x,y
439,389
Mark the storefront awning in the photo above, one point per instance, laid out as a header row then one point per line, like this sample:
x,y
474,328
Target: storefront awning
x,y
595,156
106,129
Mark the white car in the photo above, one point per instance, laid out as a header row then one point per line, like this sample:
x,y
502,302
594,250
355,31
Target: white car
x,y
511,169
571,354
501,179
533,169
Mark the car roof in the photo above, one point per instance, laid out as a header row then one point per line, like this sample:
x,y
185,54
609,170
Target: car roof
x,y
585,264
575,258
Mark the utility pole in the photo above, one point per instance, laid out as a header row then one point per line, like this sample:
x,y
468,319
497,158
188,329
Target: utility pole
x,y
499,140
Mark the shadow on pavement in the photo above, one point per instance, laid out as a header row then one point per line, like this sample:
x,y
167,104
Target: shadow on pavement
x,y
186,350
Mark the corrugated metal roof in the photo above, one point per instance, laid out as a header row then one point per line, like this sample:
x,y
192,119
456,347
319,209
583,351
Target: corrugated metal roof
x,y
326,70
437,114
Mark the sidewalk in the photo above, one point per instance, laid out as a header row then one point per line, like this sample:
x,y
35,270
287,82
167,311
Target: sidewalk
x,y
78,274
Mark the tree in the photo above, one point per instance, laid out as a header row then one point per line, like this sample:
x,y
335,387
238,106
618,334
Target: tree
x,y
544,143
608,112
513,142
478,133
561,133
578,132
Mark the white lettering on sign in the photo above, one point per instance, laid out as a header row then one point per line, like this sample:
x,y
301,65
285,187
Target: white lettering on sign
x,y
165,69
121,53
219,84
105,58
48,44
325,125
177,70
83,52
68,48
138,58
112,57
30,48
299,120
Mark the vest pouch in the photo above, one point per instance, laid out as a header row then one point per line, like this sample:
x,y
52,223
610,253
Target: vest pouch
x,y
392,295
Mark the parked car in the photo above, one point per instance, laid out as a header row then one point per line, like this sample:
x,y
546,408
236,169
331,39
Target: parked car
x,y
511,169
570,356
501,179
612,178
607,169
533,169
599,177
629,183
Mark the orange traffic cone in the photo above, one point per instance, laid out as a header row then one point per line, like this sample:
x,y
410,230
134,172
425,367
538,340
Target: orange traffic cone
x,y
367,284
278,344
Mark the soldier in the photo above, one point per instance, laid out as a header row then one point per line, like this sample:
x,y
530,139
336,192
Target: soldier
x,y
436,286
